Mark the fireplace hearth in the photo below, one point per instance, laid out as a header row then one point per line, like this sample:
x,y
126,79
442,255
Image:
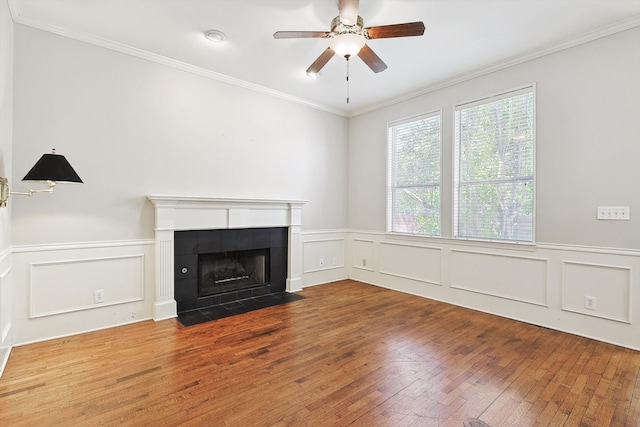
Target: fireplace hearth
x,y
214,267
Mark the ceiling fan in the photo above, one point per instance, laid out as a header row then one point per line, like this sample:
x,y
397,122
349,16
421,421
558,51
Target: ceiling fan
x,y
348,37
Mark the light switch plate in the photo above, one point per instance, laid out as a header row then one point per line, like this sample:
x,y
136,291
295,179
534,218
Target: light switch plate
x,y
613,212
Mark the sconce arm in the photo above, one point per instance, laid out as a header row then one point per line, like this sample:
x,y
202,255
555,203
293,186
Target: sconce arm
x,y
4,191
30,193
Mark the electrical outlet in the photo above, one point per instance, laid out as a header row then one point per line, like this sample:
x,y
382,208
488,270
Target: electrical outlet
x,y
364,262
321,262
590,302
335,260
98,296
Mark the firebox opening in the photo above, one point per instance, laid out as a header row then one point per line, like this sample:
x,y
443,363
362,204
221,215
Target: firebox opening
x,y
231,271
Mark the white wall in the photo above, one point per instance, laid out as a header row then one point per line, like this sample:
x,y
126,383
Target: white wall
x,y
6,126
587,142
131,128
588,148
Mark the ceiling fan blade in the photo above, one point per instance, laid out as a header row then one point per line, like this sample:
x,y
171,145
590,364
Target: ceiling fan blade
x,y
371,59
300,34
321,61
396,30
348,11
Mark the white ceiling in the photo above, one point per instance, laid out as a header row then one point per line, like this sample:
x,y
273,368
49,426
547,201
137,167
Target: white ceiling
x,y
462,38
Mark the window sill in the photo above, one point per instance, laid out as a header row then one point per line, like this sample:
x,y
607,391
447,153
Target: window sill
x,y
520,246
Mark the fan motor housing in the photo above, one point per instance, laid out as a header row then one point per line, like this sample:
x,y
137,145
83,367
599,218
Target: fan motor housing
x,y
338,28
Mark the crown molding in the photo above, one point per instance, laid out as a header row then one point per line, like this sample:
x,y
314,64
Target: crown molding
x,y
14,8
599,33
76,34
72,33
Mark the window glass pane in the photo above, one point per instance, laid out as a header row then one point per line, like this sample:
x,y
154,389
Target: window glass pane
x,y
414,176
417,210
494,170
488,211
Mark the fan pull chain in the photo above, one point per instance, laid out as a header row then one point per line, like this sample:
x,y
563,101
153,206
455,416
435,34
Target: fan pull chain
x,y
347,57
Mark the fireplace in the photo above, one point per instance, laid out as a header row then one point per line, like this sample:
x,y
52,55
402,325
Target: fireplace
x,y
177,214
222,272
219,266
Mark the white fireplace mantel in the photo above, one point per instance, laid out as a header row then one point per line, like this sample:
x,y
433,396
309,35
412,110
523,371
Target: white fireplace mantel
x,y
209,213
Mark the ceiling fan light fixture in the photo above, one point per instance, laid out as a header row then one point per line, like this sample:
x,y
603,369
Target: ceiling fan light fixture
x,y
347,44
348,37
215,36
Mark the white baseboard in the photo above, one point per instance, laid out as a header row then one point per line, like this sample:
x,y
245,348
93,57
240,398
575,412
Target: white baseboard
x,y
165,310
4,358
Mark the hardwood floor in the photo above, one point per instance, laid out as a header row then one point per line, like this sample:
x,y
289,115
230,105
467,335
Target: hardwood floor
x,y
347,354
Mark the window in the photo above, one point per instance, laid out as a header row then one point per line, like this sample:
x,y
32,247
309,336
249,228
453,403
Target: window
x,y
494,168
414,175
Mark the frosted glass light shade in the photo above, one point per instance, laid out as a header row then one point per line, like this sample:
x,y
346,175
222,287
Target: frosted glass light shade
x,y
347,44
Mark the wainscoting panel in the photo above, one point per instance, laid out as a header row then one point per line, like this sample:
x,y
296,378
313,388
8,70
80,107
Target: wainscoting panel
x,y
54,287
411,262
362,254
518,278
70,285
330,246
323,254
543,284
609,285
5,305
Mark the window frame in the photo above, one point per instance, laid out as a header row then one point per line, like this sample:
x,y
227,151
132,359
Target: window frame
x,y
391,172
529,88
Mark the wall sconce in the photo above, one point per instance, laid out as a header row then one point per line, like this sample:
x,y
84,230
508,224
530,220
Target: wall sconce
x,y
51,168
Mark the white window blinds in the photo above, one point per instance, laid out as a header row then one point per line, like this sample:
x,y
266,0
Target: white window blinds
x,y
494,168
414,175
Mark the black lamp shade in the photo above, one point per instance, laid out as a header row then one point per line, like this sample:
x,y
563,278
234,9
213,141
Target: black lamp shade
x,y
52,167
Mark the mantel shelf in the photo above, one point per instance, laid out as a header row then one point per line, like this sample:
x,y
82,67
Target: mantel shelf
x,y
168,199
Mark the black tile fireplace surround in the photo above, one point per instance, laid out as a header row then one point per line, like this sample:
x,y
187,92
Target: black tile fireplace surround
x,y
190,245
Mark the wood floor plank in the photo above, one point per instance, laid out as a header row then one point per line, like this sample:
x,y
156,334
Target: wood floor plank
x,y
347,354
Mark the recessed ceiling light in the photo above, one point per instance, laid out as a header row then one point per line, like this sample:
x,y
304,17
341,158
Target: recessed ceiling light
x,y
215,35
